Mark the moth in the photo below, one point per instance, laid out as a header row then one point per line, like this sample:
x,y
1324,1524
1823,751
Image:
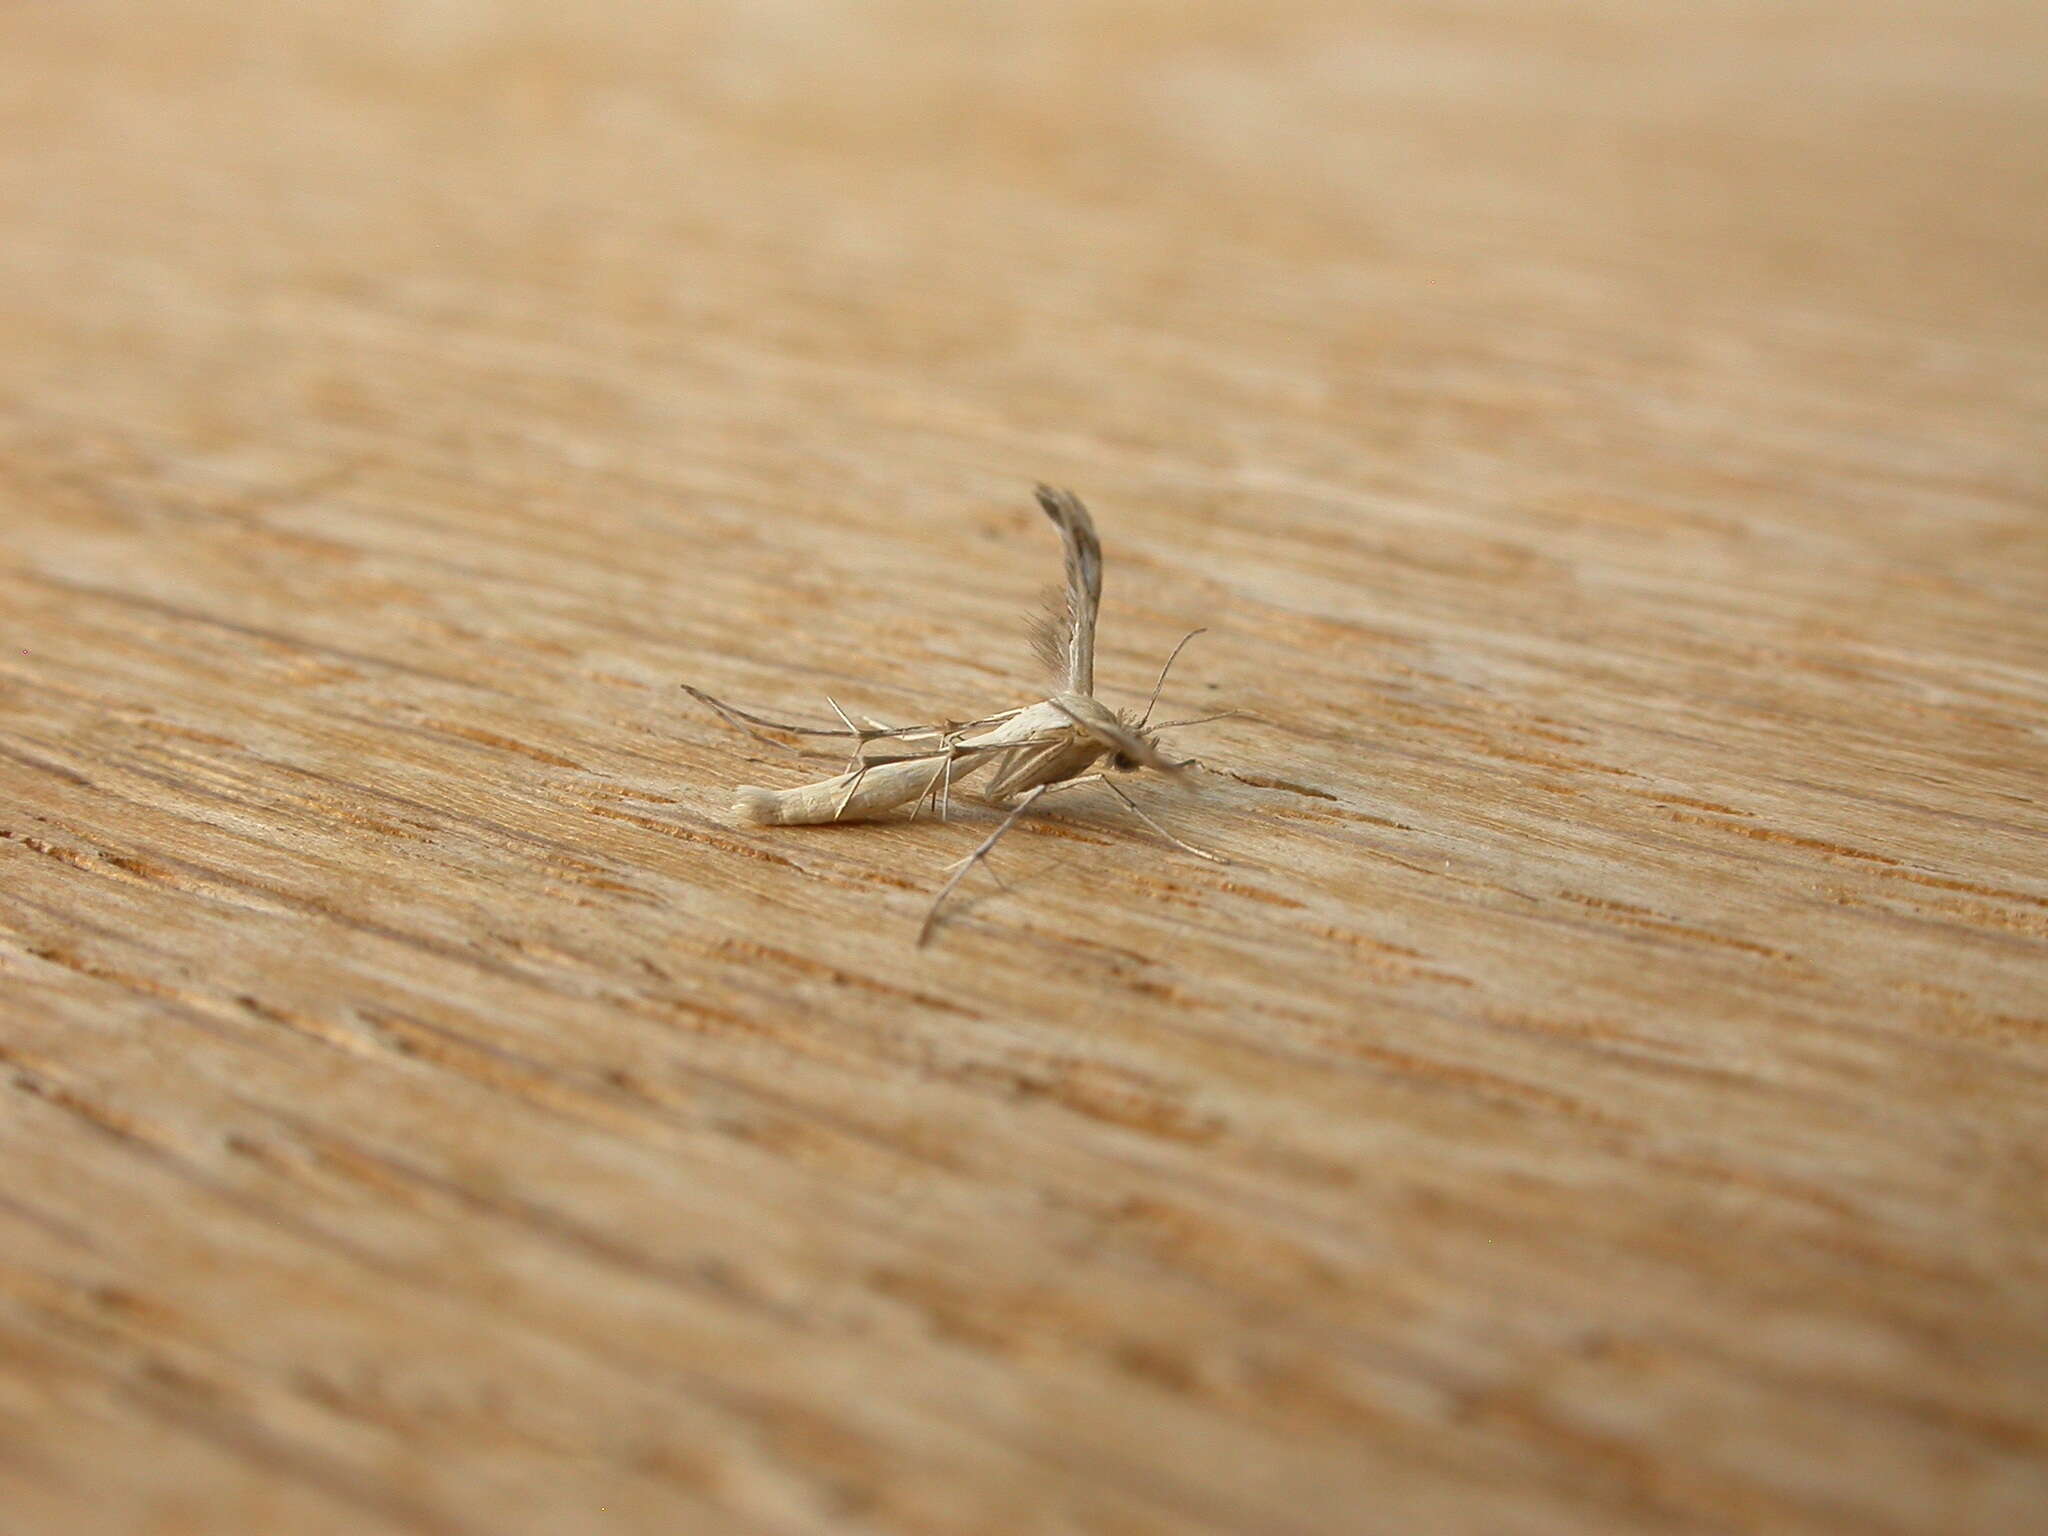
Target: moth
x,y
1060,742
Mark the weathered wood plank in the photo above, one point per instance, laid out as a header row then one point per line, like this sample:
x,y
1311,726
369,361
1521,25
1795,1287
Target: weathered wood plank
x,y
1607,1091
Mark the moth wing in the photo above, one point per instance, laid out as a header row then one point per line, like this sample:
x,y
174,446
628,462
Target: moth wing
x,y
1069,638
1051,632
1022,767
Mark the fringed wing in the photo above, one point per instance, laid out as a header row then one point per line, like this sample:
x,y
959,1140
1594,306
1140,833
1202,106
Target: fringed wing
x,y
1051,632
1068,641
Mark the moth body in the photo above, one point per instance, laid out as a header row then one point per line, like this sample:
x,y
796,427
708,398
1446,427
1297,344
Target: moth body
x,y
1055,742
859,795
1043,743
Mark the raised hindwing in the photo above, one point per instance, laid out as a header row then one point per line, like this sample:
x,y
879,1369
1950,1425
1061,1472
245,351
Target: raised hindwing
x,y
1074,632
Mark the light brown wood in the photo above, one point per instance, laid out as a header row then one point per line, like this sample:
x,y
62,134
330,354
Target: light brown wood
x,y
1607,1092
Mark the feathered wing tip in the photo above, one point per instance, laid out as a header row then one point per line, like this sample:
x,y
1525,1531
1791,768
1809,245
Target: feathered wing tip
x,y
1084,584
1051,634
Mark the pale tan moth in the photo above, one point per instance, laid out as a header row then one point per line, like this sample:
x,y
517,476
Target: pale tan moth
x,y
1033,749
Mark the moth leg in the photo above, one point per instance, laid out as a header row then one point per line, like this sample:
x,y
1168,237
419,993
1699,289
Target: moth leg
x,y
955,750
1137,811
931,918
942,770
942,801
955,739
861,738
873,731
856,774
1086,778
993,874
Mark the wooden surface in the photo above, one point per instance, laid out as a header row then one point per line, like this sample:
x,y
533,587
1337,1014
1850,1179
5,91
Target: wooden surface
x,y
1608,1091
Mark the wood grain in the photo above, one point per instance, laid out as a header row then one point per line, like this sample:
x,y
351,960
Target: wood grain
x,y
1608,1091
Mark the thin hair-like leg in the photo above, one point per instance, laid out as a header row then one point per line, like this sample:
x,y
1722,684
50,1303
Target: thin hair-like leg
x,y
1138,811
853,777
941,770
938,790
861,737
931,918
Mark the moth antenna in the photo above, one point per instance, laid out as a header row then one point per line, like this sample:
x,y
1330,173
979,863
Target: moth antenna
x,y
1172,656
1221,714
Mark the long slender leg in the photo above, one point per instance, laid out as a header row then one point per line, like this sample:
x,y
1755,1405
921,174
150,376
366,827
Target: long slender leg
x,y
1136,810
1086,778
853,783
953,751
931,918
1043,789
942,774
1200,853
861,737
931,788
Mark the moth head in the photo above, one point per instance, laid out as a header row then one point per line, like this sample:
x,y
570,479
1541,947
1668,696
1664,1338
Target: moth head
x,y
1128,745
1132,747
